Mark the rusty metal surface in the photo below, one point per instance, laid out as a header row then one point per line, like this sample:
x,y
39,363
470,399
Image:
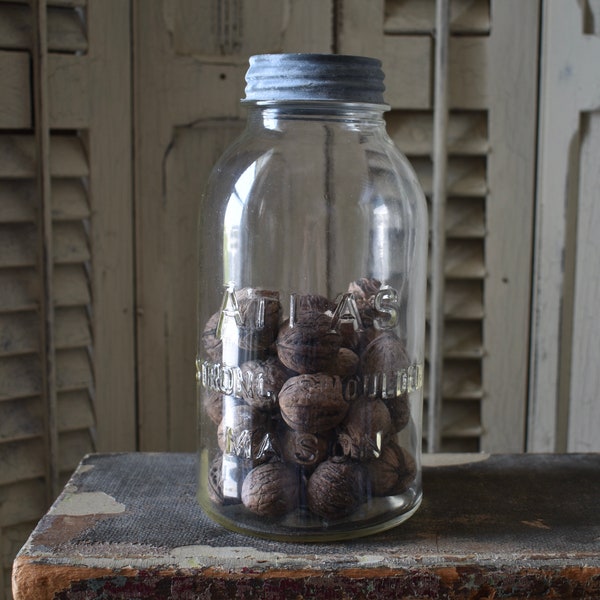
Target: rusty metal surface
x,y
510,526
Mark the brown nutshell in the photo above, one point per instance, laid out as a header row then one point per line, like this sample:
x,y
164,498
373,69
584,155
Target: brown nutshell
x,y
262,381
393,472
312,403
271,490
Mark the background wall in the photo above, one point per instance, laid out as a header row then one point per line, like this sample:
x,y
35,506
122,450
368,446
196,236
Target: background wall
x,y
112,113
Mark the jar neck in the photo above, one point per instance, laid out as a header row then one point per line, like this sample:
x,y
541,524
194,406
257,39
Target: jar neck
x,y
275,115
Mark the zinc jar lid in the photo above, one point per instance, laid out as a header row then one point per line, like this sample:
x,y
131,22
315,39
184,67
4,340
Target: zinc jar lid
x,y
317,77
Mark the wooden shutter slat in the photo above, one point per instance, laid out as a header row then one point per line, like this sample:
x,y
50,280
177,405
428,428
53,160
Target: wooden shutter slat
x,y
19,289
463,300
71,243
407,64
466,177
20,419
22,501
69,200
461,380
412,132
73,370
72,446
75,411
418,16
465,218
21,461
72,328
464,259
15,105
71,286
462,339
19,333
18,245
20,376
17,156
17,201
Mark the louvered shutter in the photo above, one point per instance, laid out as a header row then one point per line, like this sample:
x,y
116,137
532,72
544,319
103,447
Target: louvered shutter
x,y
191,61
489,187
66,285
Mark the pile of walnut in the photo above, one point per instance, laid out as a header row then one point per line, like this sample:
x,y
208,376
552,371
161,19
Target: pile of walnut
x,y
312,445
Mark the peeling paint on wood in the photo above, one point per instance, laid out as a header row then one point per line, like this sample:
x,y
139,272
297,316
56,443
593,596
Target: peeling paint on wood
x,y
507,526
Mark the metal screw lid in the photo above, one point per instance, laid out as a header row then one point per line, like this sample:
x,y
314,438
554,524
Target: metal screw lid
x,y
332,77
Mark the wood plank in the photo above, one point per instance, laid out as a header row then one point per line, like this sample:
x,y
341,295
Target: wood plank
x,y
20,419
22,461
464,259
407,63
461,380
66,32
75,411
412,132
359,27
464,300
469,65
584,412
18,200
71,243
22,502
73,370
18,245
465,218
20,376
17,156
15,105
418,16
71,286
74,445
20,289
69,89
109,144
19,333
466,177
462,339
73,328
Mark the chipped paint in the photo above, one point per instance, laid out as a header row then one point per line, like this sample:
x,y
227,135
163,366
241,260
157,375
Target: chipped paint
x,y
87,503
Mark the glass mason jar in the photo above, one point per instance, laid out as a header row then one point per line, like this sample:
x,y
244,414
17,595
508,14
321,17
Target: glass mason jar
x,y
312,276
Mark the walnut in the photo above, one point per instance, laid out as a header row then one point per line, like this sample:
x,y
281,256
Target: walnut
x,y
212,344
243,432
304,306
365,429
310,345
385,355
304,449
364,291
336,488
312,403
393,472
234,473
260,311
399,408
262,381
271,489
213,405
345,364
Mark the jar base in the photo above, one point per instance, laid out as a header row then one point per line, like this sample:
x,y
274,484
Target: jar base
x,y
333,533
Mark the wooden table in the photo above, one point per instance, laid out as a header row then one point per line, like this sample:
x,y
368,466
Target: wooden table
x,y
505,526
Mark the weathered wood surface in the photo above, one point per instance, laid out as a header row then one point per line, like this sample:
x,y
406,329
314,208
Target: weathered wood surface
x,y
500,526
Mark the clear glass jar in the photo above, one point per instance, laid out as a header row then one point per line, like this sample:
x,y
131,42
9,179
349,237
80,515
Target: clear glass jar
x,y
312,276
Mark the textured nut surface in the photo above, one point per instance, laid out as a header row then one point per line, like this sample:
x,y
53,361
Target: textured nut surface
x,y
271,490
393,472
312,403
385,355
305,306
366,427
212,344
364,291
304,449
235,472
260,311
310,345
335,489
262,381
399,408
242,431
213,405
345,363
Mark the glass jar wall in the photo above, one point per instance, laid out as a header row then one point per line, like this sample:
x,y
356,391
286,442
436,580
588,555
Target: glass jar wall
x,y
312,274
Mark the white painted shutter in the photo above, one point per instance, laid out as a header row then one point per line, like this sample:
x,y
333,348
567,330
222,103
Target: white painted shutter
x,y
66,284
490,174
565,413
